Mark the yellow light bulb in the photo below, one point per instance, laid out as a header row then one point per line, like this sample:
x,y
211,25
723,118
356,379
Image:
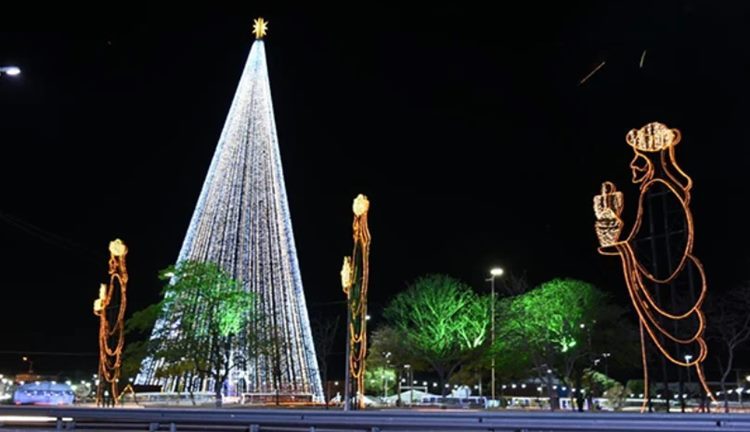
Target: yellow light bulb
x,y
361,205
117,248
346,273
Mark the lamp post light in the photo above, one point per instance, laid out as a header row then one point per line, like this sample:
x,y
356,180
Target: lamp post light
x,y
682,395
31,364
606,363
411,386
688,357
10,70
387,356
497,271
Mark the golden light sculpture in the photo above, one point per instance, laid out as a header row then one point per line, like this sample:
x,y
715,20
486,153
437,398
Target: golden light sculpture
x,y
346,274
111,322
355,275
260,28
654,165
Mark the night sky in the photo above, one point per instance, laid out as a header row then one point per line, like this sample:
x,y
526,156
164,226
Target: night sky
x,y
468,130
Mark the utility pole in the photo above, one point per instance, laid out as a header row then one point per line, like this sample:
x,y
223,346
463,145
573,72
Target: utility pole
x,y
497,271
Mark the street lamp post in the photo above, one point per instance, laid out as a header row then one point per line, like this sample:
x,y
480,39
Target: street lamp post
x,y
387,356
683,394
606,363
400,379
411,387
497,271
31,364
688,357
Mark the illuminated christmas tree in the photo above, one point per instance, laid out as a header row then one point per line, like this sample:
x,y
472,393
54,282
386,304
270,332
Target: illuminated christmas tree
x,y
242,223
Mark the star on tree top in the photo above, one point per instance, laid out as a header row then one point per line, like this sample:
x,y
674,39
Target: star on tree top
x,y
260,28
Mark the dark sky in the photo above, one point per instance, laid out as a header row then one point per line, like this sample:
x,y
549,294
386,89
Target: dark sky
x,y
467,128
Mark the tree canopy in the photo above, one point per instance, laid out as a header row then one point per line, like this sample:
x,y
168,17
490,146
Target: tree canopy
x,y
205,309
562,327
440,321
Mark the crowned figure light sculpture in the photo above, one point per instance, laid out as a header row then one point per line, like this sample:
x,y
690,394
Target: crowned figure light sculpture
x,y
675,328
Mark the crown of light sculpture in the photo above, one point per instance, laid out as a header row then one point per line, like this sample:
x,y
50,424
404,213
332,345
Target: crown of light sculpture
x,y
653,137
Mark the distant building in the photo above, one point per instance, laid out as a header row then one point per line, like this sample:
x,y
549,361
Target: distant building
x,y
31,377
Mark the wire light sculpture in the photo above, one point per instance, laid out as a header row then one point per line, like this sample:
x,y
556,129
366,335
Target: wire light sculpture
x,y
110,308
355,275
654,165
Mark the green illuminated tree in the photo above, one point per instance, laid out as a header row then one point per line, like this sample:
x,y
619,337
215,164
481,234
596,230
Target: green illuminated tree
x,y
613,390
380,380
441,322
561,328
386,339
388,350
209,309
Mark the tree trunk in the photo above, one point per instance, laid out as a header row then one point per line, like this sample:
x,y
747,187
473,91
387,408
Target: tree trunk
x,y
724,375
218,382
442,378
177,388
569,384
579,393
189,385
682,390
192,394
570,379
552,397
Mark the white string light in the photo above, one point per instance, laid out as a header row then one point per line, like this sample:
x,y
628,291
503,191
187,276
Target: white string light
x,y
242,223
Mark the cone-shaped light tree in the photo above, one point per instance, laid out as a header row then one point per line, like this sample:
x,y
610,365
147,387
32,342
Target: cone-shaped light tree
x,y
242,223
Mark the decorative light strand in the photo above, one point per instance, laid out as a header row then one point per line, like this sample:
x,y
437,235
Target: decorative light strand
x,y
111,333
354,278
654,138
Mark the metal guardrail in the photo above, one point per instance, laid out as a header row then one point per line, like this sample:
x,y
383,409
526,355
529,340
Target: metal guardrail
x,y
262,420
